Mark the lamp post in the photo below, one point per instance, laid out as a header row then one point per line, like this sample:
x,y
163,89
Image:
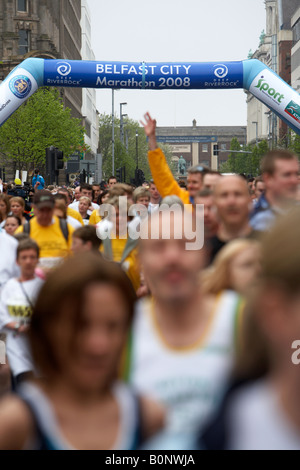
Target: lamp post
x,y
121,122
113,131
137,149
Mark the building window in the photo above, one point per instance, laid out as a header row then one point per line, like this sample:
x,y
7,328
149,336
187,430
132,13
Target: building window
x,y
223,147
204,147
22,5
296,32
24,41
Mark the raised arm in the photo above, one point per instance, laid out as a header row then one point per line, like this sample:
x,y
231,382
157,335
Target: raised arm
x,y
161,173
150,130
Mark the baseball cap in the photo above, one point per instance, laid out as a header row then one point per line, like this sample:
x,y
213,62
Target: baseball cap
x,y
18,182
44,198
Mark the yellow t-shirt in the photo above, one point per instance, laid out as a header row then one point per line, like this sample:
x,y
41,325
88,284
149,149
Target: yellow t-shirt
x,y
52,243
130,265
95,218
74,214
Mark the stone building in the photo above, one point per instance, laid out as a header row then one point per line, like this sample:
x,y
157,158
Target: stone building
x,y
203,145
48,29
275,50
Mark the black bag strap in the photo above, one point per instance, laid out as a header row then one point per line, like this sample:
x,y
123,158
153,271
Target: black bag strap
x,y
63,227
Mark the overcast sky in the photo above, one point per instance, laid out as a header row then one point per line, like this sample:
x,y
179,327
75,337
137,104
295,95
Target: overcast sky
x,y
177,31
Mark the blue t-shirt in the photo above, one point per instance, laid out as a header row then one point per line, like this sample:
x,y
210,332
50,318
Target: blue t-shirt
x,y
41,180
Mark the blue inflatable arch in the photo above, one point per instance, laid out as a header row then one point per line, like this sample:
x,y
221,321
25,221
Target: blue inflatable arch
x,y
252,75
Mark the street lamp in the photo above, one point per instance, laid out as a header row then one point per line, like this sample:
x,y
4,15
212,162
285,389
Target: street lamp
x,y
137,149
121,122
256,126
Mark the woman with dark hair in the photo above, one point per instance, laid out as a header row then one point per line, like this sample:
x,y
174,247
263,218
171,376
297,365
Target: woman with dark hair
x,y
78,333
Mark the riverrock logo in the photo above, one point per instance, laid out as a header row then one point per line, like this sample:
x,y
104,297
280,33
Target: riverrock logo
x,y
221,71
293,109
264,86
64,69
20,86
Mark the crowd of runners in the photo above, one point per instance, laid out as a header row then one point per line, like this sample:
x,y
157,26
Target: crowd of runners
x,y
165,316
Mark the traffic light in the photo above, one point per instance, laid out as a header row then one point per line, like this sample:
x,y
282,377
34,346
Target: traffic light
x,y
59,160
216,150
119,175
50,165
139,177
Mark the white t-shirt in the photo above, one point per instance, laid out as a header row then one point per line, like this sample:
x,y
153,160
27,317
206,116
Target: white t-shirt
x,y
14,306
73,222
259,422
8,256
75,206
189,381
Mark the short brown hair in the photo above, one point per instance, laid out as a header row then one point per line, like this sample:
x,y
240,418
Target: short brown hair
x,y
67,285
88,233
269,160
28,244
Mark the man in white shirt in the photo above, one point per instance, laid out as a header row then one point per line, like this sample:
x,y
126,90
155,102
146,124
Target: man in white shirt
x,y
87,191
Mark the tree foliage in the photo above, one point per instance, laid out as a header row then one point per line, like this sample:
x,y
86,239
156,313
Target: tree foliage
x,y
134,151
240,162
39,123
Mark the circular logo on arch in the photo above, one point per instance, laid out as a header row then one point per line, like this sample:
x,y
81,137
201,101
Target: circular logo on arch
x,y
220,70
20,86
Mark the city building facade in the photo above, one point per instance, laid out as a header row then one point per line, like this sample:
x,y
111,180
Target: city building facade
x,y
201,145
48,29
275,50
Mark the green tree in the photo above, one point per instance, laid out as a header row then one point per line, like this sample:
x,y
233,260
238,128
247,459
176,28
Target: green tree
x,y
39,123
136,153
247,163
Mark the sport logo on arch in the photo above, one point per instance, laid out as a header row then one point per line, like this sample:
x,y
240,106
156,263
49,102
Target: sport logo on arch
x,y
64,68
20,86
293,110
221,71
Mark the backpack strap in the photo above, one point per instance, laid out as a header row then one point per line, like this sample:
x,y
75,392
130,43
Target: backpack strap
x,y
64,228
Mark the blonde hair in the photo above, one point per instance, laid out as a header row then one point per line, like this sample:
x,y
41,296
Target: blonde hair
x,y
18,200
85,199
217,277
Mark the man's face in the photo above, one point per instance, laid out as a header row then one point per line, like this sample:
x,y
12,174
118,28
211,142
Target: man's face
x,y
283,183
112,182
210,181
171,271
232,201
77,193
154,193
78,245
28,261
260,188
87,193
97,191
44,215
210,213
194,183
